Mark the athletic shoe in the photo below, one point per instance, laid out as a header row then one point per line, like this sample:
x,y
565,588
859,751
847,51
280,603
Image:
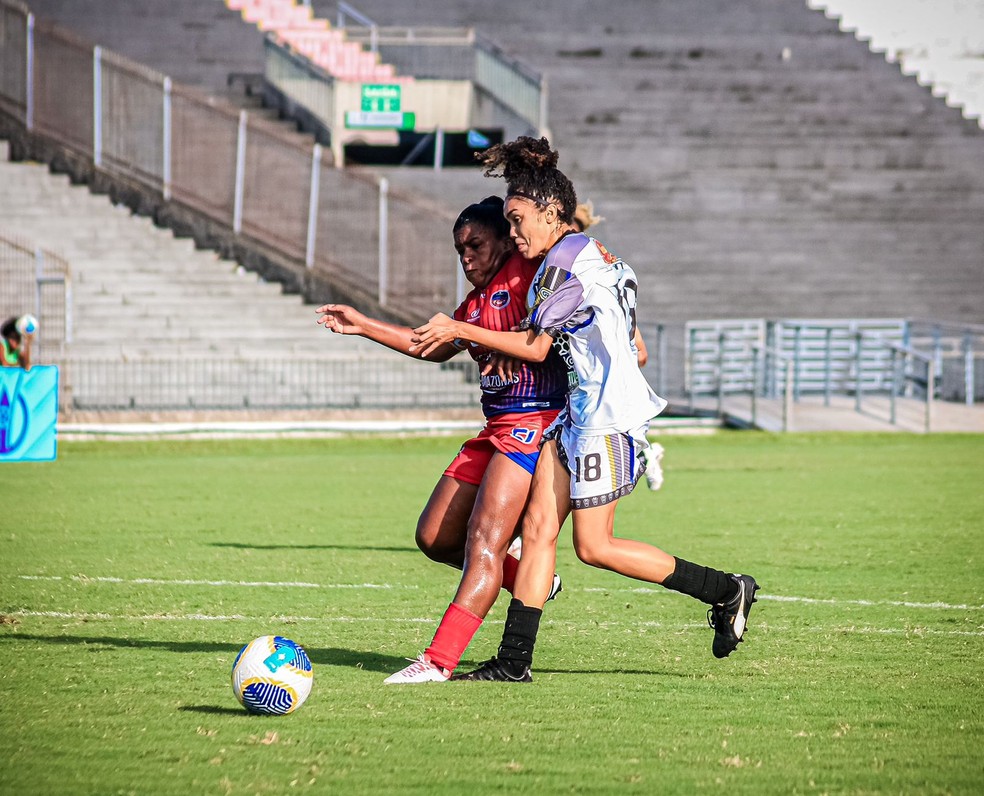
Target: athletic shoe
x,y
653,457
516,551
422,670
729,619
494,670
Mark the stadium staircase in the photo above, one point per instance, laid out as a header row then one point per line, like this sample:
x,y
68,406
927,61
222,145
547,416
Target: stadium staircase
x,y
329,48
751,159
146,301
940,42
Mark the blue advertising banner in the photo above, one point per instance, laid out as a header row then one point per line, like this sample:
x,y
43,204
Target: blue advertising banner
x,y
28,413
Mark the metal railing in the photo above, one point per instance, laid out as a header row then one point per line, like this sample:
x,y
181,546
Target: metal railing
x,y
171,385
902,376
955,348
347,12
246,173
856,357
37,281
457,54
510,95
765,362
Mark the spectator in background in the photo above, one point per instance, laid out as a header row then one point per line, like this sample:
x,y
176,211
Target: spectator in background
x,y
17,334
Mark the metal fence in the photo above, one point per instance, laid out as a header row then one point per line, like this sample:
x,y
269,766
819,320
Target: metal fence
x,y
248,174
364,382
792,358
36,281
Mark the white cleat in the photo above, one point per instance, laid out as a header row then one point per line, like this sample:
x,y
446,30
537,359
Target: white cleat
x,y
653,456
421,670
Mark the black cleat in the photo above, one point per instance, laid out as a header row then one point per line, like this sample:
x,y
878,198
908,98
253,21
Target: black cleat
x,y
729,619
495,670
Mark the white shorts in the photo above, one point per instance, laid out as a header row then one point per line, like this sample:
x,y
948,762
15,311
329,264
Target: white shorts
x,y
603,468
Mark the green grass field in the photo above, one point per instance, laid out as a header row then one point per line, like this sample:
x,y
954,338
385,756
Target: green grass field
x,y
132,572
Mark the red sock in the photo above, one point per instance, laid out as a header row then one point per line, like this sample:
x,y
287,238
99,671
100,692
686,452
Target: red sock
x,y
509,566
455,632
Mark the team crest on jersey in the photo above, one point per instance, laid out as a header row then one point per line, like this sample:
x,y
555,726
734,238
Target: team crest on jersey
x,y
606,255
500,299
524,435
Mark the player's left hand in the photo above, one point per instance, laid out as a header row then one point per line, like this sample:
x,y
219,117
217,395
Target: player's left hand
x,y
440,329
502,366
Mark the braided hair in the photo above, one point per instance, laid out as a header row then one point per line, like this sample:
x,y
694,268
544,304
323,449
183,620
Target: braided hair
x,y
529,167
487,214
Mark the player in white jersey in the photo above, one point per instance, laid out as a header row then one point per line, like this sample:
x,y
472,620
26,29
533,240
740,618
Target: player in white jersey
x,y
591,295
584,219
591,454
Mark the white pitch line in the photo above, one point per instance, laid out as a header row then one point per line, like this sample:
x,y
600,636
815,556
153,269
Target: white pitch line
x,y
247,583
819,601
89,616
938,606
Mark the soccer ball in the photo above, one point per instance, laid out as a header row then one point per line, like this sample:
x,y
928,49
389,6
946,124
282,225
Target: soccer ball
x,y
27,324
272,675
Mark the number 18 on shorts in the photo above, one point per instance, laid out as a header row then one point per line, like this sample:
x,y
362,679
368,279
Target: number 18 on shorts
x,y
603,468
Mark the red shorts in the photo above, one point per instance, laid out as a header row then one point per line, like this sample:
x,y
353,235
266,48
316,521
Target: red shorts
x,y
517,435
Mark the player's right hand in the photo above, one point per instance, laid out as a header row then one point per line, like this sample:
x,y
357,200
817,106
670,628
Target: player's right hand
x,y
341,318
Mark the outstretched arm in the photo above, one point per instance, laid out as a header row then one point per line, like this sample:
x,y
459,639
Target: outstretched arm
x,y
343,319
440,330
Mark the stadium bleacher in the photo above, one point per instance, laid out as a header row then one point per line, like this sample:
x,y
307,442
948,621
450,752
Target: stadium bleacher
x,y
751,159
148,301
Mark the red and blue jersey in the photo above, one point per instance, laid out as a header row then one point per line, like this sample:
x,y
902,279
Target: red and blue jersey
x,y
500,306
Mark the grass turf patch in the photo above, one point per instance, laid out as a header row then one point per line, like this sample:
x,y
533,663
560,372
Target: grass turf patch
x,y
131,573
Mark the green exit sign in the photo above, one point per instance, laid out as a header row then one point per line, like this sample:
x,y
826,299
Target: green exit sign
x,y
380,98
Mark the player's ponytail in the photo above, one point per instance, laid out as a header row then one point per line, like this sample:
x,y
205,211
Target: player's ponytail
x,y
529,167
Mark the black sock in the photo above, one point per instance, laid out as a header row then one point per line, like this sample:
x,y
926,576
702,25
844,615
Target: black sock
x,y
519,637
711,586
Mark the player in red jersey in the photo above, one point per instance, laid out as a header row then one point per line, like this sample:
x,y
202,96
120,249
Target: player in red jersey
x,y
474,511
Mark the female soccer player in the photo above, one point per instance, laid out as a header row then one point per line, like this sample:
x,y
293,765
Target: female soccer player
x,y
584,219
591,455
475,508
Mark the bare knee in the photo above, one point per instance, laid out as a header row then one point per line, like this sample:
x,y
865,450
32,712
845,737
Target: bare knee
x,y
486,544
538,530
594,554
434,546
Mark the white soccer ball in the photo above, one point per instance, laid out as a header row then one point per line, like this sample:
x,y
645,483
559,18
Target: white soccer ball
x,y
27,324
272,675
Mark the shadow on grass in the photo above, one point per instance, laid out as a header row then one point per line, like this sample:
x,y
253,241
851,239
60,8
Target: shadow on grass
x,y
374,548
213,710
643,672
468,666
323,656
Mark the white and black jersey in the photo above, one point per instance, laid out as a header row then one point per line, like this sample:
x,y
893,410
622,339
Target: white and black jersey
x,y
585,292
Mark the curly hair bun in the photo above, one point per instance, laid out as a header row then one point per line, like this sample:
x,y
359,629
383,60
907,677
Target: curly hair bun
x,y
529,166
516,159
